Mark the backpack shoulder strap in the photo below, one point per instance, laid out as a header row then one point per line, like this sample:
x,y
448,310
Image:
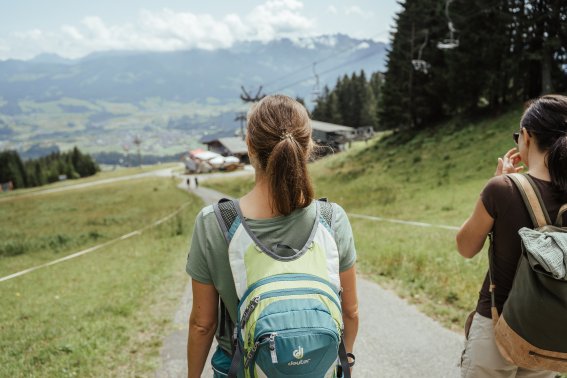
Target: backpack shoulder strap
x,y
559,220
326,213
226,213
532,199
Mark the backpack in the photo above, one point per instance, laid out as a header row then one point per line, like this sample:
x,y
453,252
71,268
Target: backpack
x,y
531,332
289,320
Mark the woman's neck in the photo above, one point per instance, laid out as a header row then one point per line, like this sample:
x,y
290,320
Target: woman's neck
x,y
538,167
258,204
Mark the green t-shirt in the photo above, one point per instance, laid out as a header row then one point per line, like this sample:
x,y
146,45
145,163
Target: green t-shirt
x,y
208,256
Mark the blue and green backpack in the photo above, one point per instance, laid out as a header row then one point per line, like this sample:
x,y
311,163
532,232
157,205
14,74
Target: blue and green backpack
x,y
289,318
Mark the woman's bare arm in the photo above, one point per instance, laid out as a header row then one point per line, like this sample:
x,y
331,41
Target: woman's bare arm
x,y
473,232
202,326
350,307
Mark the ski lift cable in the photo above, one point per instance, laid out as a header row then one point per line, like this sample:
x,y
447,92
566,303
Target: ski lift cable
x,y
327,71
451,42
447,14
467,15
303,68
316,90
334,55
477,12
422,46
420,64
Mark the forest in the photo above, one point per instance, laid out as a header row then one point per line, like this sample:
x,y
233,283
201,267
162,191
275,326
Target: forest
x,y
51,168
456,58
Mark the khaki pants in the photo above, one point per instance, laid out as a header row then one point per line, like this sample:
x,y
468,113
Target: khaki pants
x,y
481,358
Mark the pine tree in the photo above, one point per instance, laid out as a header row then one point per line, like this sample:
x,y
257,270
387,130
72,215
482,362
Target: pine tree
x,y
12,169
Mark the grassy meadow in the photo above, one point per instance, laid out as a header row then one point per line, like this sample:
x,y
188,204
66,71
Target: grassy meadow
x,y
102,175
432,176
104,313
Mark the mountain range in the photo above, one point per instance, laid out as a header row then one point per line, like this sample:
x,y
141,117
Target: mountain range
x,y
163,96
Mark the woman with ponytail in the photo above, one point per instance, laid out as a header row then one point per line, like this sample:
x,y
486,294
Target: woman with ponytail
x,y
542,148
279,213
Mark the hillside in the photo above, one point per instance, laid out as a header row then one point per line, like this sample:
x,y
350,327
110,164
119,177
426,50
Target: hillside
x,y
432,176
169,99
103,313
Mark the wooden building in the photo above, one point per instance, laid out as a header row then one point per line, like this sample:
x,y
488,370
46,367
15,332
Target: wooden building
x,y
337,137
229,146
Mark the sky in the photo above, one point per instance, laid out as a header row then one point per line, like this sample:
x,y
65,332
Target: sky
x,y
75,28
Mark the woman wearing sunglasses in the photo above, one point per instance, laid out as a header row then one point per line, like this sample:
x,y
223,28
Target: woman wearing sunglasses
x,y
542,148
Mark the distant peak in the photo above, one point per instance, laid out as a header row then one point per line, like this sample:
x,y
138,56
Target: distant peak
x,y
50,58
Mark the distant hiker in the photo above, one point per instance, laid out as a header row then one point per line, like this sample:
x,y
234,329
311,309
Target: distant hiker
x,y
501,212
274,263
188,182
196,182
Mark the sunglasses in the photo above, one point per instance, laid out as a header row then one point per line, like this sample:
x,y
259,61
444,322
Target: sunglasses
x,y
516,136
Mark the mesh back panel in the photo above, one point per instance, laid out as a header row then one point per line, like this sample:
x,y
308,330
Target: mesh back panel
x,y
228,213
327,212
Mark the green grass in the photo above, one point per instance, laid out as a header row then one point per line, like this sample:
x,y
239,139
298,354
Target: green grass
x,y
104,313
120,172
42,228
432,176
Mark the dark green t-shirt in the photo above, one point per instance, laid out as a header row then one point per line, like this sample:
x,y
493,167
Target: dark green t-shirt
x,y
208,256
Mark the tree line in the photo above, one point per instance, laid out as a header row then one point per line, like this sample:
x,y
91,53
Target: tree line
x,y
502,52
352,102
36,172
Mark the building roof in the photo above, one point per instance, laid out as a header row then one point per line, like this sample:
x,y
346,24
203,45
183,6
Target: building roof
x,y
234,144
330,127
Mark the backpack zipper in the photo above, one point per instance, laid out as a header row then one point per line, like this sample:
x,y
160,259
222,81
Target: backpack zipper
x,y
532,353
249,309
302,291
271,337
289,277
274,293
273,348
253,304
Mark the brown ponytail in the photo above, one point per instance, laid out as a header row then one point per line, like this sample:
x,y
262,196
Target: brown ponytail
x,y
546,119
557,163
279,138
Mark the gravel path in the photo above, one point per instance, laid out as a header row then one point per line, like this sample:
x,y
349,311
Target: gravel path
x,y
394,339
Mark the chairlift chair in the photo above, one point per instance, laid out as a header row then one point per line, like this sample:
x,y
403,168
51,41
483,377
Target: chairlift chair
x,y
420,64
451,42
447,44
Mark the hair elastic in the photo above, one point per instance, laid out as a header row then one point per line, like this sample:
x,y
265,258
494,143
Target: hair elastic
x,y
286,135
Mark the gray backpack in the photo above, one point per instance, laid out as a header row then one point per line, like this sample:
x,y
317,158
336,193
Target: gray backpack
x,y
531,332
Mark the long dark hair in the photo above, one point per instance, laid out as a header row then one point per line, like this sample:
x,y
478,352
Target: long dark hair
x,y
279,138
546,119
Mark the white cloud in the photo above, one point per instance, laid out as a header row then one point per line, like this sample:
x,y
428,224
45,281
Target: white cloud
x,y
354,10
163,30
357,11
332,9
277,18
312,42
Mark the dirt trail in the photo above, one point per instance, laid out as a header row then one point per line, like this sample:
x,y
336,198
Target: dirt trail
x,y
394,339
